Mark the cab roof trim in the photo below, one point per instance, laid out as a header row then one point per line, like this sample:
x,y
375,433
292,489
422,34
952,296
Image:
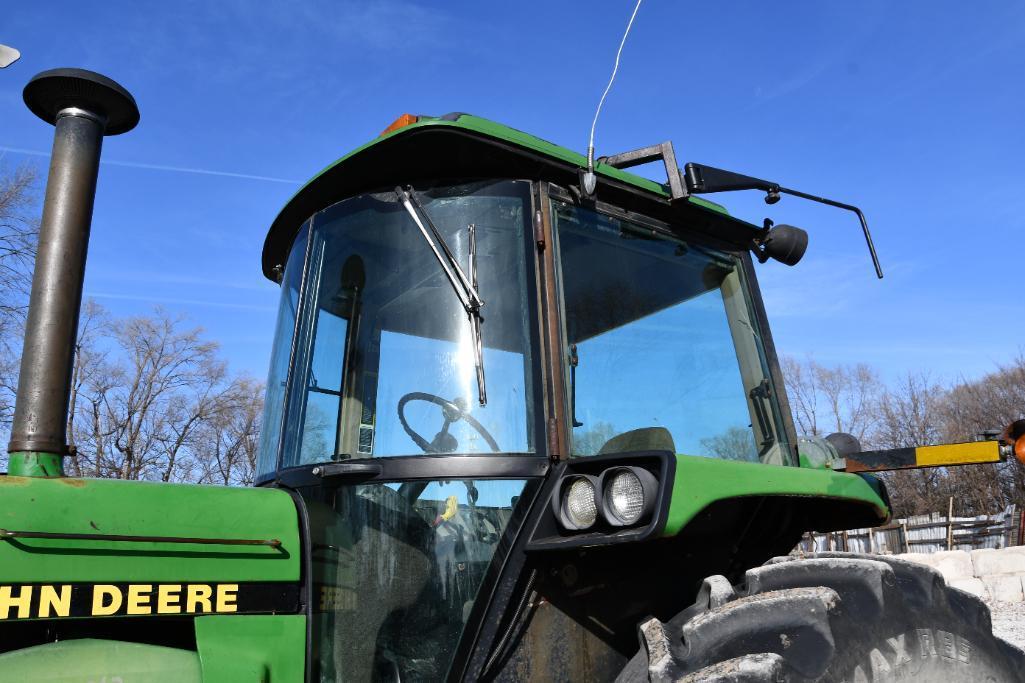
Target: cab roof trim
x,y
462,134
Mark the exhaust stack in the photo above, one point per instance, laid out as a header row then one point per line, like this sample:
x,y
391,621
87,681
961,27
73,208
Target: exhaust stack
x,y
84,107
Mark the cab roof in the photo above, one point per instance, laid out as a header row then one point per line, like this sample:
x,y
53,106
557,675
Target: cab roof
x,y
463,146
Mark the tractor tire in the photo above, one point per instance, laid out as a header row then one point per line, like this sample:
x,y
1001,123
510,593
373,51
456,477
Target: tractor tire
x,y
828,617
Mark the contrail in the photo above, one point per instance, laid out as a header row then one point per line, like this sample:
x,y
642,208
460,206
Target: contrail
x,y
179,302
161,167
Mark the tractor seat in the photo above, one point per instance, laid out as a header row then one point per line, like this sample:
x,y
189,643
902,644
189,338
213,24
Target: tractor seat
x,y
643,439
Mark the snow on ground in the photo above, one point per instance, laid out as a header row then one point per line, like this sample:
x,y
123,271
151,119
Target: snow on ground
x,y
1009,621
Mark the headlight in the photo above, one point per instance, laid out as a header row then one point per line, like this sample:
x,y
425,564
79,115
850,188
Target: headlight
x,y
578,508
628,495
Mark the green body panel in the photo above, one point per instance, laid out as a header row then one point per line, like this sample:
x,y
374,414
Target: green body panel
x,y
518,138
699,482
92,661
134,508
252,648
230,648
35,465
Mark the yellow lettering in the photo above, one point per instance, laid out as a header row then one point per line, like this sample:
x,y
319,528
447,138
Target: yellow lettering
x,y
23,602
102,591
167,599
227,593
197,594
49,599
138,599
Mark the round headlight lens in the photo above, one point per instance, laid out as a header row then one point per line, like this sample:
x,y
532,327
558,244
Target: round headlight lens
x,y
579,505
624,496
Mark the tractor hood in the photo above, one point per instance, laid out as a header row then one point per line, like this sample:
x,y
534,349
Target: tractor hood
x,y
237,550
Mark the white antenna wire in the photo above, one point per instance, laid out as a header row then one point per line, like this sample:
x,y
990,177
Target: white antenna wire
x,y
590,142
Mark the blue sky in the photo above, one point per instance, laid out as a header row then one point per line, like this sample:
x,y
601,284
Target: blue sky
x,y
911,110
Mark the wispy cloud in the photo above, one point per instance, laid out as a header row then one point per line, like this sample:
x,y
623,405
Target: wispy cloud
x,y
179,302
913,84
255,284
287,44
816,64
818,287
831,285
162,167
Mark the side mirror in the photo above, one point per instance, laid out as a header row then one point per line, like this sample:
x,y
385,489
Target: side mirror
x,y
783,243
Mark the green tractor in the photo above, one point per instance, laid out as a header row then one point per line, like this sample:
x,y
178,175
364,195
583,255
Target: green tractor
x,y
524,421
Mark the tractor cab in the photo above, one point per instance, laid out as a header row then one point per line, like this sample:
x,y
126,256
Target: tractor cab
x,y
454,322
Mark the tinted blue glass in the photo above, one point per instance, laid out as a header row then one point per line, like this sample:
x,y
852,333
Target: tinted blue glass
x,y
274,397
662,346
383,337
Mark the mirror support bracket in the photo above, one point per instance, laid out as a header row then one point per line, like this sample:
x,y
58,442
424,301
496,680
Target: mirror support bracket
x,y
660,152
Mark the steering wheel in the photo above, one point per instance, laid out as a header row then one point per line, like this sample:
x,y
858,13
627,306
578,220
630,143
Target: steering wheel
x,y
452,411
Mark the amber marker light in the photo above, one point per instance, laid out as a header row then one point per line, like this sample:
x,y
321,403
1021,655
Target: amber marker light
x,y
1014,435
401,122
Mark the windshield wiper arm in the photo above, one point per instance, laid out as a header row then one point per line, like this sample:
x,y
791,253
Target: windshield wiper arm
x,y
464,287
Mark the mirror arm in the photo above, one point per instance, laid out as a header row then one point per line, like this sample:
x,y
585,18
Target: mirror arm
x,y
706,179
703,179
846,207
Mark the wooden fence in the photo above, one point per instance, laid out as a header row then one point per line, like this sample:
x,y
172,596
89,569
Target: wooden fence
x,y
926,534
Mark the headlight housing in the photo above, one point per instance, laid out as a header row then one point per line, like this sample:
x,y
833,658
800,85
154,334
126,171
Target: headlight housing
x,y
628,495
578,503
603,500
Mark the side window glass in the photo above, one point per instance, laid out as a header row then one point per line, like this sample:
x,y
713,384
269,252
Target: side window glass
x,y
661,347
277,377
324,388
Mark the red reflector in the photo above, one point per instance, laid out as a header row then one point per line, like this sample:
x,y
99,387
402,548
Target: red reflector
x,y
400,122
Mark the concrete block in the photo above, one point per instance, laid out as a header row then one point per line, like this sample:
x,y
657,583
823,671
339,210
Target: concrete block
x,y
928,559
954,564
1004,588
990,562
973,586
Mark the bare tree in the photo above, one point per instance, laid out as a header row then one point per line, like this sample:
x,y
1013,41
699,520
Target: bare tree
x,y
831,399
735,443
988,404
918,412
19,230
89,364
145,389
909,414
227,444
589,441
803,394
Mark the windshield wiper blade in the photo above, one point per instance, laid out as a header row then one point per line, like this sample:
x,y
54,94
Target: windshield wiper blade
x,y
464,287
460,283
475,320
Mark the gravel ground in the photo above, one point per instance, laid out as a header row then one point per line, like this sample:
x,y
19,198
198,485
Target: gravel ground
x,y
1009,621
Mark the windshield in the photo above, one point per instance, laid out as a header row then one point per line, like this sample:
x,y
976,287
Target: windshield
x,y
662,348
384,358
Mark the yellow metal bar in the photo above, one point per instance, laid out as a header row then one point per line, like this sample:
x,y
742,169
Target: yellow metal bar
x,y
958,454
